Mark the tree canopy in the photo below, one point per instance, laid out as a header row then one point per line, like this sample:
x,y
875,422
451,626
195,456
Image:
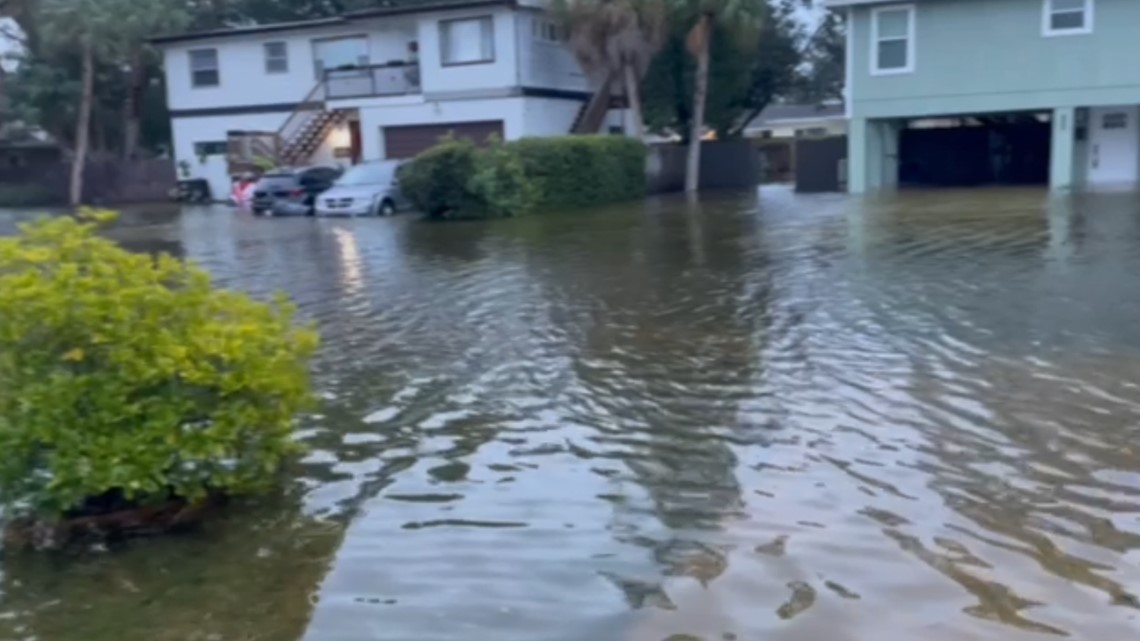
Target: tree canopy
x,y
747,72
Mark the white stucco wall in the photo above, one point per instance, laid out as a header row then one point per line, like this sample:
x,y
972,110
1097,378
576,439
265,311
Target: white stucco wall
x,y
502,72
543,63
521,116
241,64
549,116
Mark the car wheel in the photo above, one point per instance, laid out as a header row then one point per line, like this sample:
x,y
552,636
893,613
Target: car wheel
x,y
386,208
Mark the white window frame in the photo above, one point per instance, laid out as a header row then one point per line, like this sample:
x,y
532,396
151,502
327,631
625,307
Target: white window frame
x,y
911,34
217,68
486,22
283,58
1047,12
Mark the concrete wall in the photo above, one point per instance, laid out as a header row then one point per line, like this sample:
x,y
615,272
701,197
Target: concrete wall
x,y
991,55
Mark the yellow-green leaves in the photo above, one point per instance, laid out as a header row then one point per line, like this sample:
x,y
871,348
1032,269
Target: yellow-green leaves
x,y
119,371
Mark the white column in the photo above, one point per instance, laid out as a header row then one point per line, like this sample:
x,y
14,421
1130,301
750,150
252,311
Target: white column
x,y
857,155
1061,152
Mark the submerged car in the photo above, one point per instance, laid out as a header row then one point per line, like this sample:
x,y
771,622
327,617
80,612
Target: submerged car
x,y
368,189
292,190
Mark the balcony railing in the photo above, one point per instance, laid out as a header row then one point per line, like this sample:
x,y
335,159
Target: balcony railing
x,y
393,79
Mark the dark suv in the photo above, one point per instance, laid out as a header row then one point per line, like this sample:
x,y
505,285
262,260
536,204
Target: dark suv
x,y
292,190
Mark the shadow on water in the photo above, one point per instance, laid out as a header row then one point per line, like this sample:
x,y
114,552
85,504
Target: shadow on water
x,y
248,575
773,416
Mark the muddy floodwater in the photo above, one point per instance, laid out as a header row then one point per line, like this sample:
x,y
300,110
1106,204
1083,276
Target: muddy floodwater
x,y
764,417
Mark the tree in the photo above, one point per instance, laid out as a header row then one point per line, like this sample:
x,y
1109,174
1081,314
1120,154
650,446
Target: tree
x,y
745,74
615,39
825,61
742,18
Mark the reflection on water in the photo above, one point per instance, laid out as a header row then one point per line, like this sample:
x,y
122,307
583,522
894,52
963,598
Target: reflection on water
x,y
754,418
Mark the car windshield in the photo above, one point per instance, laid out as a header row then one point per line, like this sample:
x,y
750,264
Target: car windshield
x,y
368,174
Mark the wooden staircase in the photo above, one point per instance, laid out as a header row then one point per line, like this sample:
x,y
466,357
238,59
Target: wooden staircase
x,y
300,145
293,143
593,112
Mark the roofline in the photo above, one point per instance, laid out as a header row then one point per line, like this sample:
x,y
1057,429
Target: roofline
x,y
426,7
232,32
798,121
835,4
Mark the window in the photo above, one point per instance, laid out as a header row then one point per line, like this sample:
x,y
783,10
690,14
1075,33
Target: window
x,y
892,40
210,148
468,41
547,31
276,57
1067,17
340,53
204,68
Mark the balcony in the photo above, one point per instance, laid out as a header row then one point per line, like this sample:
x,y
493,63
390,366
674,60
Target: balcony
x,y
392,79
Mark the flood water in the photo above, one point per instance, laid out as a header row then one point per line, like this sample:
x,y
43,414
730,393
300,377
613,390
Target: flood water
x,y
758,418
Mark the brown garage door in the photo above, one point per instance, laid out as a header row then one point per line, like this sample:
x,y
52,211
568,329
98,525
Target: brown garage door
x,y
407,141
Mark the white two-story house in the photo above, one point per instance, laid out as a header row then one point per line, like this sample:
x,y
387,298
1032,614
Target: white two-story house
x,y
384,83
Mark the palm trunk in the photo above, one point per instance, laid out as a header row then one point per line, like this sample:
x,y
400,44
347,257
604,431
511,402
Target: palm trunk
x,y
699,46
83,126
132,106
633,96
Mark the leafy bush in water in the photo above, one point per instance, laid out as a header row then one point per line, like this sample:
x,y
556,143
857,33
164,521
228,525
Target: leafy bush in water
x,y
583,171
500,187
123,373
436,181
455,178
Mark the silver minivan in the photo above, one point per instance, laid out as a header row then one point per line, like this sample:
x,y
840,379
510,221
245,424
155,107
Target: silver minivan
x,y
367,189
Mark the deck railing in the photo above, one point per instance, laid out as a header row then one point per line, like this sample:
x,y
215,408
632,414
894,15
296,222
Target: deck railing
x,y
391,79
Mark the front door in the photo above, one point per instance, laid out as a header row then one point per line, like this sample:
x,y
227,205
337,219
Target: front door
x,y
1114,145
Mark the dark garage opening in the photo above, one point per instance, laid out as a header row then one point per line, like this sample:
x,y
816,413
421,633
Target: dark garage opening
x,y
997,149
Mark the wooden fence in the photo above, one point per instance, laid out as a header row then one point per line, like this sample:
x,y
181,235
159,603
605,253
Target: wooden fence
x,y
106,182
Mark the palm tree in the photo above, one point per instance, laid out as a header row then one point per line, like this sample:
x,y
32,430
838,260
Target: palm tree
x,y
743,17
615,40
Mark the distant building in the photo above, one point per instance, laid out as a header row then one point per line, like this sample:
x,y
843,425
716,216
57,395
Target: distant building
x,y
384,83
798,121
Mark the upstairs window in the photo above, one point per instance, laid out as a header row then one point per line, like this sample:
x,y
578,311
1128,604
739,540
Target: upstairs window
x,y
276,57
467,41
1067,17
547,31
892,40
204,68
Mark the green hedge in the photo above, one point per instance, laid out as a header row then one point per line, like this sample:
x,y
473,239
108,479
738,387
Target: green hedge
x,y
583,171
455,179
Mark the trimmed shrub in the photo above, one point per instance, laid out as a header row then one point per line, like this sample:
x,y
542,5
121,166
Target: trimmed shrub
x,y
436,182
128,378
455,179
500,186
583,171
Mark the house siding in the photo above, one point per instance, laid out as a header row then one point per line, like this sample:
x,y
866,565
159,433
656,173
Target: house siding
x,y
976,56
546,64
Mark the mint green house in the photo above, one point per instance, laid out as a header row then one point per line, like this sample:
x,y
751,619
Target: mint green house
x,y
1069,67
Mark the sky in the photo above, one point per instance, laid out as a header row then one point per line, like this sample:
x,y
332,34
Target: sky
x,y
6,45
